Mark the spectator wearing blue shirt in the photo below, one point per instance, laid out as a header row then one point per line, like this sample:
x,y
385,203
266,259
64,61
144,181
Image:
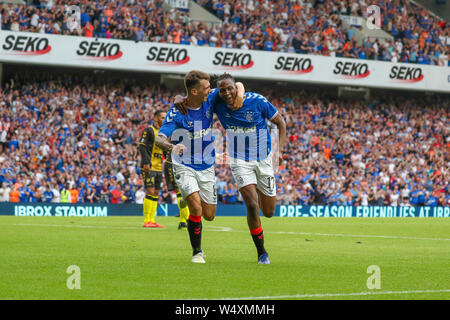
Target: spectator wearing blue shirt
x,y
426,58
420,58
24,194
431,200
48,194
305,197
34,195
128,195
394,32
350,33
339,157
13,143
268,44
219,7
84,18
421,198
231,194
362,54
414,197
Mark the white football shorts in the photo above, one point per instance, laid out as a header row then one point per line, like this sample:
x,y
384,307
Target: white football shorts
x,y
190,181
255,172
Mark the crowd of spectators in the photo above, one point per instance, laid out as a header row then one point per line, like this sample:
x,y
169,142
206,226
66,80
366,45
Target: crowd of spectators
x,y
316,27
387,151
301,26
58,130
80,133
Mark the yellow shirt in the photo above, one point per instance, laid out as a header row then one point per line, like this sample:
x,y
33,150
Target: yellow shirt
x,y
150,152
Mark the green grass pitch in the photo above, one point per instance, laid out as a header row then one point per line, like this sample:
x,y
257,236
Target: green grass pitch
x,y
311,258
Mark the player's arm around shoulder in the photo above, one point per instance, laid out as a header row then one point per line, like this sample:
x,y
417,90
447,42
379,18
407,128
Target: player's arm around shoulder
x,y
240,95
180,103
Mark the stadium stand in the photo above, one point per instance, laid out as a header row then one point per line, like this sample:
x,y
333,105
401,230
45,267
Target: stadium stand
x,y
413,35
81,129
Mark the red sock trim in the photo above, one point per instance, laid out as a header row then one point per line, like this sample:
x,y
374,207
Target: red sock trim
x,y
195,218
256,231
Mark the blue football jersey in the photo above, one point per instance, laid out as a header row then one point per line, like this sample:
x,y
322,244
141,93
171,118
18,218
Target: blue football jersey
x,y
248,137
194,131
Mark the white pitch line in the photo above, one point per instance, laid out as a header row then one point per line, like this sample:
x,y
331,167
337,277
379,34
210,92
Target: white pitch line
x,y
356,235
344,235
222,229
210,228
77,226
325,295
227,229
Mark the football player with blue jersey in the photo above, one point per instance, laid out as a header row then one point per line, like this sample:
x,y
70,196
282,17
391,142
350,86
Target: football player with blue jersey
x,y
193,154
250,150
249,147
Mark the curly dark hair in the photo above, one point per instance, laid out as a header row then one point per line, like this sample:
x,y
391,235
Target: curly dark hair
x,y
215,79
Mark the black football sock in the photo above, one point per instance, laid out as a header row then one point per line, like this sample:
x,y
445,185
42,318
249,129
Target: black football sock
x,y
195,233
258,239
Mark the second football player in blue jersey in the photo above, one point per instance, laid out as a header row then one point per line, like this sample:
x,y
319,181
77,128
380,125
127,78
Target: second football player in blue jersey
x,y
250,149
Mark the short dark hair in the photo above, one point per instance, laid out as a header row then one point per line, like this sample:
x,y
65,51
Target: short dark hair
x,y
224,76
157,113
192,79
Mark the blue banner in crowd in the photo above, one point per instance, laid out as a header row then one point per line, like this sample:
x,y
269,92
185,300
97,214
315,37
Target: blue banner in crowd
x,y
106,210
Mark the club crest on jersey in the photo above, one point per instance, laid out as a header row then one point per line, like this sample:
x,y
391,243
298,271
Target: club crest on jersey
x,y
249,116
208,113
190,124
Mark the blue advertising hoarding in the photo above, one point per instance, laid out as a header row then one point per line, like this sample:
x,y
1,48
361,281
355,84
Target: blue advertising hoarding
x,y
106,210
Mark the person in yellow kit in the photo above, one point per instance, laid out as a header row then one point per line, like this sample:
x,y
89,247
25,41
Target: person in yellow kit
x,y
151,171
65,194
172,186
